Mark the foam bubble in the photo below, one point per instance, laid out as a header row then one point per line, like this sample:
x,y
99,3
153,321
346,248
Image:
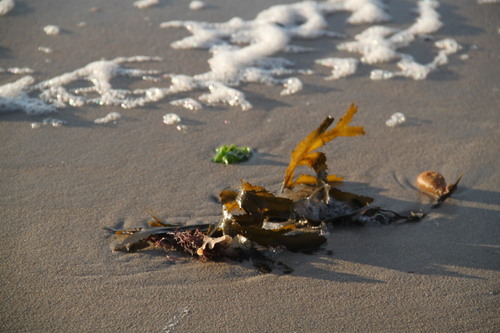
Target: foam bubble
x,y
110,117
292,85
45,49
6,6
221,94
448,45
196,5
341,67
187,103
396,119
51,29
366,11
171,119
141,4
181,128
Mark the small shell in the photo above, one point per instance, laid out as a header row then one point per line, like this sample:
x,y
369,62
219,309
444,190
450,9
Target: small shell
x,y
432,183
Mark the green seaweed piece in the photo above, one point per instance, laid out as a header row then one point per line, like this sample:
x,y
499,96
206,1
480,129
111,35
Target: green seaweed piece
x,y
230,154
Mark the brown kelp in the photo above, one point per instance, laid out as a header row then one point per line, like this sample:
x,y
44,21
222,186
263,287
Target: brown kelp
x,y
254,218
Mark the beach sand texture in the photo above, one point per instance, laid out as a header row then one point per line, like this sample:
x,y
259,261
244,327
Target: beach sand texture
x,y
60,185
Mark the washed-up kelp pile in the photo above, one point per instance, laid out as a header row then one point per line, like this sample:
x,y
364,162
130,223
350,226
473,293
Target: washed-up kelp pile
x,y
254,218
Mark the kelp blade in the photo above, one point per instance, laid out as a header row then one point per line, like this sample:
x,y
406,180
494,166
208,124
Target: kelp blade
x,y
302,155
353,199
256,200
302,241
311,180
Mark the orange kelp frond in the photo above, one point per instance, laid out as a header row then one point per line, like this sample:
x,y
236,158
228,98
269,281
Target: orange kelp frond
x,y
302,155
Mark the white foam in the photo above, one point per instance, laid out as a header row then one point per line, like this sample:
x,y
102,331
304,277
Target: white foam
x,y
99,74
448,45
141,4
221,94
366,11
45,49
487,1
54,122
380,44
417,71
6,6
292,85
17,70
380,74
181,128
171,119
341,67
14,97
187,103
396,119
428,20
110,117
11,90
245,51
196,5
183,83
253,51
51,29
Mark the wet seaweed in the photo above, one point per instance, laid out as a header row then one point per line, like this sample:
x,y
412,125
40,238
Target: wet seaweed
x,y
230,154
254,219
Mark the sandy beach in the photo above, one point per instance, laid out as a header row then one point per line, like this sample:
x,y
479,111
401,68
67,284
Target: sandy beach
x,y
60,186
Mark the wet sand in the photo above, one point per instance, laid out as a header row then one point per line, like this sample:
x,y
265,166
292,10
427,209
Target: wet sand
x,y
60,186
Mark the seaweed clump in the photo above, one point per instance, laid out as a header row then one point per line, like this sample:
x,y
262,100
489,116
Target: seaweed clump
x,y
254,218
230,154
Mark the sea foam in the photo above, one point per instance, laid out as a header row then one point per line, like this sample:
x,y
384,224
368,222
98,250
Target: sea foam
x,y
52,29
380,44
6,6
245,51
487,1
111,117
14,97
196,5
141,4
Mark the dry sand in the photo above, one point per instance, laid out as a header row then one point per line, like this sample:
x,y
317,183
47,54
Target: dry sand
x,y
60,186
